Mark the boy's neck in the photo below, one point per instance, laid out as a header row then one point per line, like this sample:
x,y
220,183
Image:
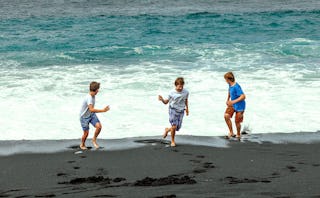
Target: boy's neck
x,y
232,83
92,93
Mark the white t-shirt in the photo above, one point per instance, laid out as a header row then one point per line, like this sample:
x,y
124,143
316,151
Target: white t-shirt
x,y
177,100
85,112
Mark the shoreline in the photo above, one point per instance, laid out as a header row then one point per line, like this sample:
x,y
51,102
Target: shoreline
x,y
243,169
12,147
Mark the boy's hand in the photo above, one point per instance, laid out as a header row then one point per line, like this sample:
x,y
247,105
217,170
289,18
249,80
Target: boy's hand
x,y
164,101
229,103
107,108
160,98
187,112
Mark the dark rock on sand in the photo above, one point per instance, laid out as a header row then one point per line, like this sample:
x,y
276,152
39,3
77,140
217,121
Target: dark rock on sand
x,y
92,179
119,179
234,180
166,196
197,171
170,180
105,196
46,195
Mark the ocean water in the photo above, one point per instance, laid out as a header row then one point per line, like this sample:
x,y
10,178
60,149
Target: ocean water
x,y
51,50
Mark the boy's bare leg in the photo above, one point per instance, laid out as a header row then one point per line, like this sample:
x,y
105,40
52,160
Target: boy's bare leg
x,y
96,133
238,125
227,118
239,116
166,131
173,133
83,140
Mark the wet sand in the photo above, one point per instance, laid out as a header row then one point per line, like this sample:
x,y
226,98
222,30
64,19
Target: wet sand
x,y
245,169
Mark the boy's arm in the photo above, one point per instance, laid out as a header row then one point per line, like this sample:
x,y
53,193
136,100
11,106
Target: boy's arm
x,y
187,107
164,101
240,98
228,99
93,110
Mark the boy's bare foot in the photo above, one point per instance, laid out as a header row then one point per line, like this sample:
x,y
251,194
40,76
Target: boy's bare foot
x,y
230,135
173,144
95,144
165,134
238,137
83,147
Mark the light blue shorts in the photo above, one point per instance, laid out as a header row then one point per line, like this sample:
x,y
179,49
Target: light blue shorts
x,y
175,118
92,119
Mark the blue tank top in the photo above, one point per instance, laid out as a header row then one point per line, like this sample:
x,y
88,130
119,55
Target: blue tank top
x,y
235,92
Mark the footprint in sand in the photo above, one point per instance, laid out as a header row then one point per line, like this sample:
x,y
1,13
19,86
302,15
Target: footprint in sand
x,y
200,156
208,165
195,161
292,168
275,175
61,174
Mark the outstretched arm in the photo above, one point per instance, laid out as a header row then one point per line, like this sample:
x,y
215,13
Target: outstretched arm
x,y
93,110
164,101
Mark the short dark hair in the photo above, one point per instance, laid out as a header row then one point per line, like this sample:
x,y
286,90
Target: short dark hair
x,y
94,86
229,76
179,81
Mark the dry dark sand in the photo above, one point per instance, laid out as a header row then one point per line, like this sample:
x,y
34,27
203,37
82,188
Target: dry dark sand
x,y
245,169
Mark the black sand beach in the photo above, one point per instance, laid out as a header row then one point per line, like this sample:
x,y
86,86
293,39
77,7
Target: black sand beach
x,y
245,169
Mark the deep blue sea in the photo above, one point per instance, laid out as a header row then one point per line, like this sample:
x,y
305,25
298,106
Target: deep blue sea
x,y
51,50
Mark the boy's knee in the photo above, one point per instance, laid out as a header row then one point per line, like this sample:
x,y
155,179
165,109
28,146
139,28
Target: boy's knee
x,y
227,116
239,118
174,127
238,121
98,126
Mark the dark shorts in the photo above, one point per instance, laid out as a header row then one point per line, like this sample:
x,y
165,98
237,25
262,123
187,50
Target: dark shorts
x,y
92,119
175,118
239,115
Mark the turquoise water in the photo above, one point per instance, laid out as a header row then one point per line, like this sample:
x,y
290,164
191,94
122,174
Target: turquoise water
x,y
50,51
104,39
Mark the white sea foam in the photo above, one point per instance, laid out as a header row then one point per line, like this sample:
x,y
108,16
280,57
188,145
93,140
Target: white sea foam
x,y
44,102
45,105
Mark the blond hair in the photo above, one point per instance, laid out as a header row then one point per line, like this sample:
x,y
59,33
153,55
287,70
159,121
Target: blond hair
x,y
229,76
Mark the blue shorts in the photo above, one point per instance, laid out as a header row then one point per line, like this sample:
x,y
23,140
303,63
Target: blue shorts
x,y
175,118
93,119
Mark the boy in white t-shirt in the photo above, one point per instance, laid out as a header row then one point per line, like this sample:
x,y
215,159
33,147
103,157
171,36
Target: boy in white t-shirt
x,y
88,115
178,103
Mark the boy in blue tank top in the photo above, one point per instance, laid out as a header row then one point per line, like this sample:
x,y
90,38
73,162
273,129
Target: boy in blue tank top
x,y
235,104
